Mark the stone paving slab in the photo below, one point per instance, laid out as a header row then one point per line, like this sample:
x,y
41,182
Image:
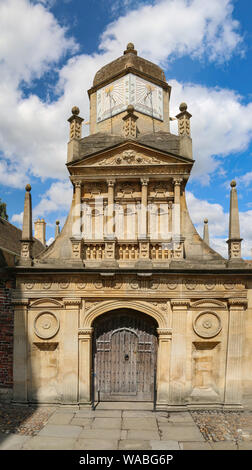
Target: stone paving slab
x,y
12,441
194,446
83,422
145,435
61,418
49,443
107,423
245,445
139,423
181,433
181,417
100,434
164,445
223,445
96,444
134,445
139,414
56,430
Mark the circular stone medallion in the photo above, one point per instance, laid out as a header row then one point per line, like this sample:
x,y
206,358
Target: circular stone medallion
x,y
207,324
46,325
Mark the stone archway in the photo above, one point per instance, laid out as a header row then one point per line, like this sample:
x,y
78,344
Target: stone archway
x,y
163,344
124,355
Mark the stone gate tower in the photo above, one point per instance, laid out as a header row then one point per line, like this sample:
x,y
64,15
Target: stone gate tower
x,y
129,291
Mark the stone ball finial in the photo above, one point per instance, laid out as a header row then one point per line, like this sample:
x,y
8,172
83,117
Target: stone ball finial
x,y
130,108
205,221
57,222
28,187
130,46
233,184
183,107
75,110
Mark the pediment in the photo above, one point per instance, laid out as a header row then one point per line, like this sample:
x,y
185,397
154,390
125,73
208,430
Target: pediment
x,y
208,304
46,303
130,155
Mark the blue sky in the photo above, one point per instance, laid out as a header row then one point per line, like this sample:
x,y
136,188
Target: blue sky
x,y
49,53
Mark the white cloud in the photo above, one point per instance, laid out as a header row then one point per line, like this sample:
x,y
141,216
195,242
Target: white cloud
x,y
176,27
33,134
218,221
18,219
56,199
221,124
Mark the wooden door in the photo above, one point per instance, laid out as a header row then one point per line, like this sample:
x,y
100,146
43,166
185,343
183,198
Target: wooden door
x,y
124,356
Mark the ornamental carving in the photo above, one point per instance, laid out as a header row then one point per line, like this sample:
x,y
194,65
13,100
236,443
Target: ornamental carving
x,y
29,285
81,285
172,285
46,325
129,157
47,285
207,324
229,285
210,285
63,285
191,285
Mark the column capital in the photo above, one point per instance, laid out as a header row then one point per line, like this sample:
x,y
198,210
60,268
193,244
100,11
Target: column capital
x,y
111,182
164,332
77,184
177,181
144,181
236,302
180,303
72,303
85,331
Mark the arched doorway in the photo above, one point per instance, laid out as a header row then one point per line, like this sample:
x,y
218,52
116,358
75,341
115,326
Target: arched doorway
x,y
124,355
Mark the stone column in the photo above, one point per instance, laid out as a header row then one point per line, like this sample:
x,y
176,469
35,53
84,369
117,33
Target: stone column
x,y
110,232
176,215
85,364
76,238
178,351
144,245
236,332
27,240
163,364
170,205
70,351
20,353
234,240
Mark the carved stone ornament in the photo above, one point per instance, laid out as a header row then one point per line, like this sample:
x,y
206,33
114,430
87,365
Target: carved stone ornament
x,y
47,285
46,325
81,285
172,285
29,285
129,157
207,324
210,285
191,285
229,285
63,285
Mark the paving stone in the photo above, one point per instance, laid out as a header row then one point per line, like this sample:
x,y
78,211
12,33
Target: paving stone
x,y
195,446
100,434
47,443
181,417
84,422
96,444
223,445
146,435
138,414
12,441
108,413
164,445
245,445
61,418
56,430
139,423
181,433
106,423
85,414
124,434
117,405
134,445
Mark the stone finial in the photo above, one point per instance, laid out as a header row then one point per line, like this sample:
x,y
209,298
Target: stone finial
x,y
130,127
130,49
234,241
57,228
40,230
184,120
75,124
27,240
206,232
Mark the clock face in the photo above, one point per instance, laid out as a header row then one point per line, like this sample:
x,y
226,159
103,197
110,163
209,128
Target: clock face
x,y
145,96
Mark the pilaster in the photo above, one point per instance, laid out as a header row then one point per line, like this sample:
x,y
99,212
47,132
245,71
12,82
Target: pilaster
x,y
85,361
70,351
163,364
236,332
20,353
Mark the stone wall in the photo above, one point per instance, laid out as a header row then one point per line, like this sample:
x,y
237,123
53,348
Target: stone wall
x,y
6,336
